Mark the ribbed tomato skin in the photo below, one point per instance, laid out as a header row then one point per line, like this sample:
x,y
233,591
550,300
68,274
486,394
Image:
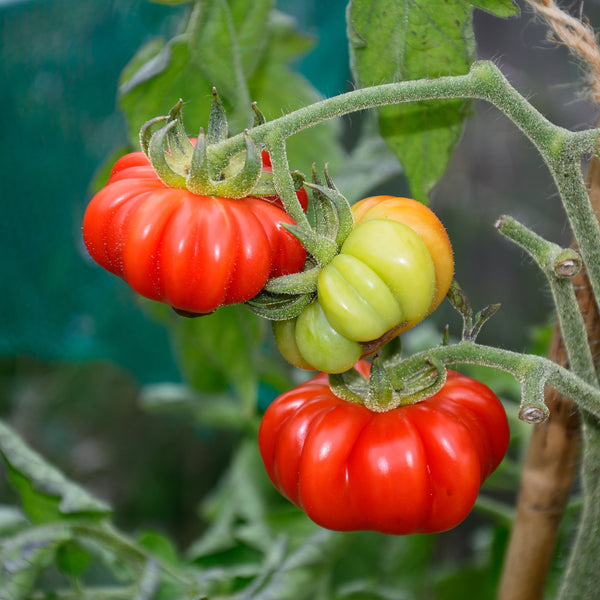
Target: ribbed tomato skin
x,y
413,469
193,252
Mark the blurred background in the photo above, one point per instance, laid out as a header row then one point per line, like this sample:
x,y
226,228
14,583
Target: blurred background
x,y
75,347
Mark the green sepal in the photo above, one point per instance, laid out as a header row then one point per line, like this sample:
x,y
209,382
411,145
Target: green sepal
x,y
264,186
279,307
198,179
350,385
381,396
418,385
240,185
259,118
158,158
180,147
341,206
146,132
326,217
321,248
298,178
217,121
294,283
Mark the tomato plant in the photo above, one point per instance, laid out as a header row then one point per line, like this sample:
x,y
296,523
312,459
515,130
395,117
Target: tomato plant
x,y
393,269
190,251
413,469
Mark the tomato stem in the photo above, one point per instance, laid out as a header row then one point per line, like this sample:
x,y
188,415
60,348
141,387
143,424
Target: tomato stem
x,y
561,149
523,367
550,257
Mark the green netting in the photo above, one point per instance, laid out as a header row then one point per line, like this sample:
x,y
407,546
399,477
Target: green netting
x,y
59,69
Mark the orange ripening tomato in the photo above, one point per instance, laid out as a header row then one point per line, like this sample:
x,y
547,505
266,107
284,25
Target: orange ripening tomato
x,y
422,220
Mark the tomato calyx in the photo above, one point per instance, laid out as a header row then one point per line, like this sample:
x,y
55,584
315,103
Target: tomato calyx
x,y
181,162
385,389
286,297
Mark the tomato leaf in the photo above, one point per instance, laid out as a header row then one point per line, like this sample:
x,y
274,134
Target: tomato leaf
x,y
231,42
46,494
243,49
403,40
72,559
239,502
500,8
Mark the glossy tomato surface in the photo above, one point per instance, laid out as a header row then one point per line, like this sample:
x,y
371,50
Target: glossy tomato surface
x,y
425,222
192,252
413,469
383,276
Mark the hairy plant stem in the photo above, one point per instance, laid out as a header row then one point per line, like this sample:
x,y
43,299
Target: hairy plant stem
x,y
533,372
137,556
581,577
561,149
551,259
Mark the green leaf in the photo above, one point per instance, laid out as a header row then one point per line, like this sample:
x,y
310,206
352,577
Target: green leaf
x,y
399,40
11,520
159,546
238,504
277,88
300,572
46,494
149,582
500,8
167,75
72,559
231,42
243,48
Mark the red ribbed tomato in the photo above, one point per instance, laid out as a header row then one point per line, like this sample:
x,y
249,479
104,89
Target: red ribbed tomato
x,y
413,469
192,252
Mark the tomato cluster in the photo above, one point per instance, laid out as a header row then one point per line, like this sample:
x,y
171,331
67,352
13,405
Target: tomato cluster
x,y
413,469
190,251
417,468
394,268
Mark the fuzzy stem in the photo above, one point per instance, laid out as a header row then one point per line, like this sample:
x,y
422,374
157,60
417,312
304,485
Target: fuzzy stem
x,y
524,367
581,578
561,149
282,178
551,258
110,538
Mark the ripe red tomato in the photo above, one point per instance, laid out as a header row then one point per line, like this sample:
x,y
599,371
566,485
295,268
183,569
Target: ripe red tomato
x,y
192,252
413,469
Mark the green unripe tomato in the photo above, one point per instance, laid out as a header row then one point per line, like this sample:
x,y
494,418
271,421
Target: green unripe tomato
x,y
285,338
310,342
384,276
